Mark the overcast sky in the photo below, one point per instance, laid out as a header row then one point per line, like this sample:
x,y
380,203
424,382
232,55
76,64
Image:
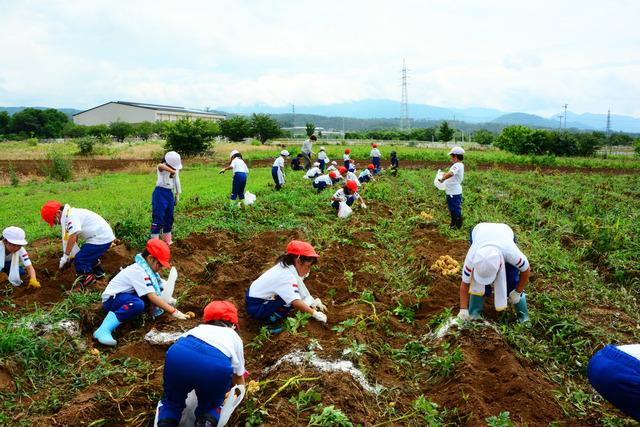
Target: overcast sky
x,y
529,56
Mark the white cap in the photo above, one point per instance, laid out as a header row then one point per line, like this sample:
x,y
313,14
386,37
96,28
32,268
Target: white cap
x,y
333,162
173,159
284,153
316,164
14,235
486,262
233,153
456,151
321,148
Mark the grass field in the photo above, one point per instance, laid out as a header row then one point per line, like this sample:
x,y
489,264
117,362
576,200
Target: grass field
x,y
579,232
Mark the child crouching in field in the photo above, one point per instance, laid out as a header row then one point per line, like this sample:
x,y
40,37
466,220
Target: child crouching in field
x,y
348,194
314,172
323,181
12,254
367,174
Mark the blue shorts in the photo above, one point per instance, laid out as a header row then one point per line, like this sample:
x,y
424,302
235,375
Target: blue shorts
x,y
267,310
162,206
125,306
88,257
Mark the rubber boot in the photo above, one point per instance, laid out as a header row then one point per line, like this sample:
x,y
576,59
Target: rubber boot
x,y
452,223
522,310
206,420
168,422
476,303
154,236
103,333
167,238
457,222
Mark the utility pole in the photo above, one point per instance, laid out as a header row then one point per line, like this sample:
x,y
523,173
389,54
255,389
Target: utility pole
x,y
565,117
560,123
404,101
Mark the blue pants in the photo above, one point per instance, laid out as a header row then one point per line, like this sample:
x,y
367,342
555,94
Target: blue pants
x,y
88,257
274,175
192,364
319,185
350,200
267,310
347,164
616,376
321,165
454,203
125,306
238,184
376,163
363,179
7,268
162,205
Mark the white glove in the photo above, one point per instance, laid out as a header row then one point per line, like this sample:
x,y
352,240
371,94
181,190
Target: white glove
x,y
463,315
514,297
319,316
318,305
179,315
363,206
63,260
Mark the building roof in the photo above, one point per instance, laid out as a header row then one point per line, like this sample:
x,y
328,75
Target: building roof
x,y
157,107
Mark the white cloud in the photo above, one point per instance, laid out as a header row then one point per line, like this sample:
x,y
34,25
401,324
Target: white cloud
x,y
514,56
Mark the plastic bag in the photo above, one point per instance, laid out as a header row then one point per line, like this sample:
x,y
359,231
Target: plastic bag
x,y
439,185
249,198
169,286
344,210
188,413
230,404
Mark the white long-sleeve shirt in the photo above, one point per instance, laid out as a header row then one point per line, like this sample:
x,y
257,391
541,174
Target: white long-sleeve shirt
x,y
165,181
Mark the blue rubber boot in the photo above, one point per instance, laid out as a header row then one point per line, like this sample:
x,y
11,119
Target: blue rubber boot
x,y
103,333
476,303
522,310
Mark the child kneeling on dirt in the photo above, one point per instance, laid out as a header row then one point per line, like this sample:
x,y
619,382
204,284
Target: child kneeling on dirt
x,y
348,194
323,181
272,296
12,254
130,290
208,359
80,224
314,172
367,174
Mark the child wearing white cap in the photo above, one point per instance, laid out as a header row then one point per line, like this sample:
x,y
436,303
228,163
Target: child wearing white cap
x,y
240,173
323,159
13,253
314,172
277,170
163,200
453,186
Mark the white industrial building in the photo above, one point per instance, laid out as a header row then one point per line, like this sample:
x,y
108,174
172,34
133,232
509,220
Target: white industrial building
x,y
135,112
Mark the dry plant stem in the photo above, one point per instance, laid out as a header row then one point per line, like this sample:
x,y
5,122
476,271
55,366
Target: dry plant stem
x,y
291,381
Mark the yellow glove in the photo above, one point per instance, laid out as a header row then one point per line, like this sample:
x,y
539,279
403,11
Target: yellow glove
x,y
33,283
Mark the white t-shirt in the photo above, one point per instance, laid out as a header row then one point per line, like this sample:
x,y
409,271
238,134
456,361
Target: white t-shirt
x,y
323,156
454,184
90,226
279,162
500,236
224,339
365,172
340,194
131,279
375,153
314,171
276,281
352,176
323,178
238,165
23,256
631,350
165,180
346,157
307,146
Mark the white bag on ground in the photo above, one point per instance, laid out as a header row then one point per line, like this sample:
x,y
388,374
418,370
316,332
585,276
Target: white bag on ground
x,y
249,198
439,185
230,404
344,210
188,413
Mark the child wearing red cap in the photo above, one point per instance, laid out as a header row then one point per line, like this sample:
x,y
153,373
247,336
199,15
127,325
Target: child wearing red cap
x,y
367,174
208,359
375,158
272,296
80,224
12,254
133,288
346,158
323,181
348,194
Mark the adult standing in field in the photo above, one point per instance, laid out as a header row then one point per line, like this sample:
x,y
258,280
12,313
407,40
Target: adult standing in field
x,y
307,151
80,225
208,359
494,264
273,295
240,173
614,372
163,200
453,186
133,288
375,158
277,170
12,254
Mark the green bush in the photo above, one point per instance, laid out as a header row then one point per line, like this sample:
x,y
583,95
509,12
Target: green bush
x,y
85,145
61,168
120,130
236,128
188,136
483,137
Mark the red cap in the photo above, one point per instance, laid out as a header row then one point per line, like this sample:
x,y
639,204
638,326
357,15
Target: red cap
x,y
298,247
49,210
374,145
160,251
370,166
221,310
352,185
332,175
347,151
342,169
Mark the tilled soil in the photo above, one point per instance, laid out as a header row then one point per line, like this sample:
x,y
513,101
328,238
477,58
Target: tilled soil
x,y
489,380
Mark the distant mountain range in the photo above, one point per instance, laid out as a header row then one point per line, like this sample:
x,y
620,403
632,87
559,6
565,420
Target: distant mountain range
x,y
378,113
